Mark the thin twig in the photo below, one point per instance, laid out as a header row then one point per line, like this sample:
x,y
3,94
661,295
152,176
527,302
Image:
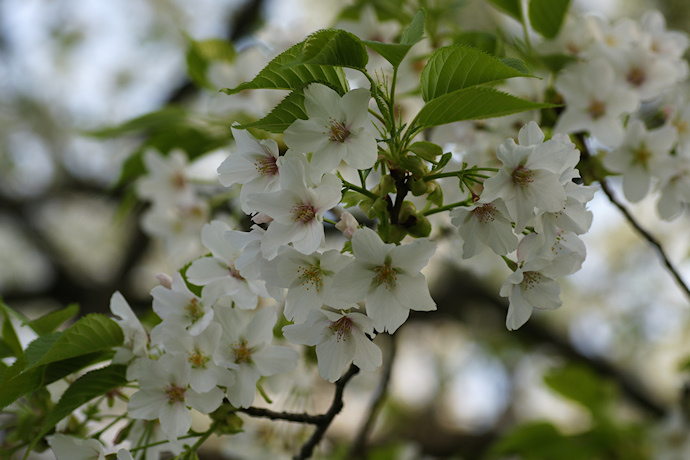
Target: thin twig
x,y
286,416
336,406
359,445
646,235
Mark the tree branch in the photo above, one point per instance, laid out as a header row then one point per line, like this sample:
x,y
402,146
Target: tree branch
x,y
646,235
336,406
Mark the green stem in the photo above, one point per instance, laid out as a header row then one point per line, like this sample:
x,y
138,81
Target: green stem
x,y
377,116
448,207
361,190
329,221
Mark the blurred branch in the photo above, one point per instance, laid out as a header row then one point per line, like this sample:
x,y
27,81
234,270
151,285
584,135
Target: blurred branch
x,y
646,235
358,450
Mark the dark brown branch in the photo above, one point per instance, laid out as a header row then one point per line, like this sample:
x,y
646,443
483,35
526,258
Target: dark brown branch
x,y
646,235
336,406
359,445
286,416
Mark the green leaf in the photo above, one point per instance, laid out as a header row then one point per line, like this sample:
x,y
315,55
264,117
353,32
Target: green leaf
x,y
333,47
391,52
516,64
283,73
426,150
580,384
200,55
51,321
457,66
40,346
18,381
474,103
5,350
510,7
9,335
415,31
546,16
151,121
541,440
83,390
556,62
90,334
283,115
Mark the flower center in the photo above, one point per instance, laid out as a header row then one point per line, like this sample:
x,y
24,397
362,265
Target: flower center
x,y
194,309
311,275
178,181
338,131
174,393
303,212
522,176
235,273
243,353
266,166
636,76
385,274
529,279
642,155
341,328
596,109
197,358
485,213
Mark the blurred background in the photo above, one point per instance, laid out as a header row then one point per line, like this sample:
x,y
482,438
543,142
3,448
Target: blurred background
x,y
77,80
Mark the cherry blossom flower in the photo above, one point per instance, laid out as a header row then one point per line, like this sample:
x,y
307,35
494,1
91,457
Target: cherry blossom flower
x,y
484,224
638,156
594,101
165,395
218,274
246,349
337,129
180,307
167,180
297,209
388,277
339,339
136,338
255,165
308,279
531,174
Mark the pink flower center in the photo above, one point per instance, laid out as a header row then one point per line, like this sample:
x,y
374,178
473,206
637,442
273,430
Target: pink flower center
x,y
485,213
522,176
174,393
338,131
385,274
235,273
266,166
636,76
341,328
303,212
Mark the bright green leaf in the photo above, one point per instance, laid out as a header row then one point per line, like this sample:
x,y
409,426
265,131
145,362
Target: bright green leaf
x,y
426,150
90,334
474,103
333,47
40,346
279,75
415,31
51,321
201,54
546,16
516,64
283,115
457,66
391,52
511,7
83,390
5,350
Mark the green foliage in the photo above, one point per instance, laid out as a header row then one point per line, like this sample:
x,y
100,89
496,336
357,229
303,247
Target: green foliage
x,y
84,389
542,441
512,7
332,47
457,66
482,40
201,54
426,150
283,115
396,52
473,103
285,72
58,354
546,16
10,341
580,384
51,321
